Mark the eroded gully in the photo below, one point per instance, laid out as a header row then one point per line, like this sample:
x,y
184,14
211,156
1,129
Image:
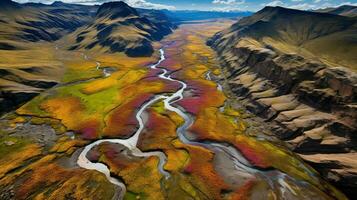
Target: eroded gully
x,y
277,181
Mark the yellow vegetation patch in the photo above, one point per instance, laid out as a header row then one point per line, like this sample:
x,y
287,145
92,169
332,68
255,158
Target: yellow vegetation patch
x,y
67,109
18,157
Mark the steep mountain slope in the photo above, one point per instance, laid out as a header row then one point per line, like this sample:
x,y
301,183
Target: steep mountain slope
x,y
32,43
22,24
271,65
314,35
119,28
345,10
28,64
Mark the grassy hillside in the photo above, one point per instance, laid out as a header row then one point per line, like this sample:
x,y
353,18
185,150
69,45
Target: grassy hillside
x,y
326,37
119,28
34,53
23,24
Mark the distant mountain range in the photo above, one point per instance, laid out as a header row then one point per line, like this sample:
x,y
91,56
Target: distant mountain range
x,y
191,15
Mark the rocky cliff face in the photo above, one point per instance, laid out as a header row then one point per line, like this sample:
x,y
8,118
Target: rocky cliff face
x,y
308,104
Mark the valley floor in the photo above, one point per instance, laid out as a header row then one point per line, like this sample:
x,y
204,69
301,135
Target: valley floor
x,y
209,148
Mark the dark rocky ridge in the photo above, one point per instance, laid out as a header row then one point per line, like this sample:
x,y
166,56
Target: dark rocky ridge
x,y
309,105
344,10
22,24
26,89
34,22
8,4
114,10
141,29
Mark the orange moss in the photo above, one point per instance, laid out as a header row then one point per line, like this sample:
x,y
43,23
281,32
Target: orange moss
x,y
65,183
18,158
65,144
66,109
201,168
243,193
137,173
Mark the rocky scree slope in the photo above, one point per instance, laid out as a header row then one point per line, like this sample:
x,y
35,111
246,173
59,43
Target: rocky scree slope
x,y
308,104
118,27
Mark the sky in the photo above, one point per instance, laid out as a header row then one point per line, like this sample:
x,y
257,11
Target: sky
x,y
217,5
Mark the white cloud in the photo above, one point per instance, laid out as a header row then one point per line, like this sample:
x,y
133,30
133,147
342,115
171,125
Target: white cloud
x,y
303,6
228,9
306,6
274,3
228,2
149,5
228,5
347,3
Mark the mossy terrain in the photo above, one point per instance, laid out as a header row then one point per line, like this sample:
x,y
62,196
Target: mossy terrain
x,y
91,106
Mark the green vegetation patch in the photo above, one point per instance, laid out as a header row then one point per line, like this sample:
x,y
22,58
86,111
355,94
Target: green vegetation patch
x,y
10,144
93,102
72,75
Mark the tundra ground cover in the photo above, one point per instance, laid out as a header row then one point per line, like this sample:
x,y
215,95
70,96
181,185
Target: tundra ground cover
x,y
93,106
193,169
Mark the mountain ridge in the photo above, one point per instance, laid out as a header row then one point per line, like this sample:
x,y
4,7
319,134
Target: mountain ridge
x,y
293,31
27,28
300,97
118,27
344,10
115,10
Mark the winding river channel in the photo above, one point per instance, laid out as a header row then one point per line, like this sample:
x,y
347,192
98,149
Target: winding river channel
x,y
225,154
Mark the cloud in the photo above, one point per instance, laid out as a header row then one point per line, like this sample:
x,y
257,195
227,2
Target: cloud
x,y
229,9
301,0
225,2
306,6
228,2
303,6
347,3
300,6
274,3
149,5
228,5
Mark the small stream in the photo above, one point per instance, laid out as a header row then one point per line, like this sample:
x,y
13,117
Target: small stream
x,y
130,143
